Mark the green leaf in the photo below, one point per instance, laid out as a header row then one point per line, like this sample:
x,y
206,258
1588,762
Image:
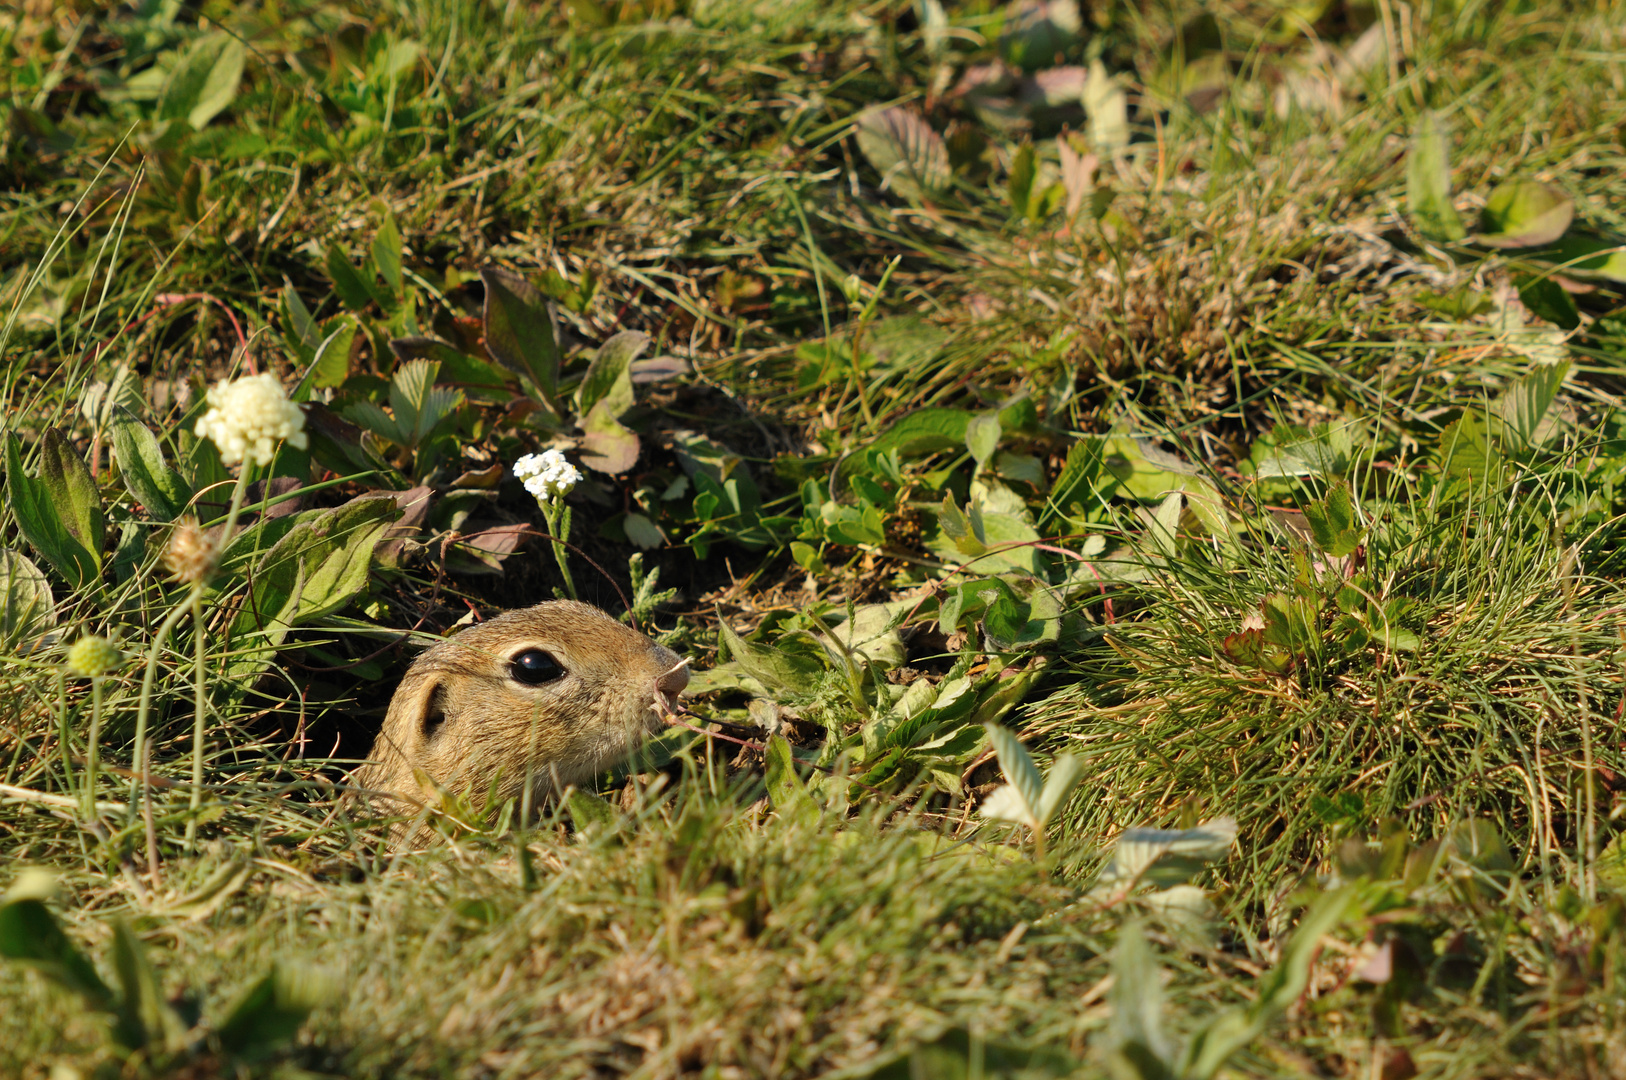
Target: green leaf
x,y
608,379
27,608
1019,186
271,1012
1523,406
588,812
316,568
519,330
1065,773
142,1014
1107,107
608,446
1165,857
1136,1032
904,149
204,82
299,327
1525,213
41,524
923,431
776,669
785,788
1212,1044
147,476
347,281
1466,449
70,486
486,382
30,934
1333,522
1020,773
331,364
1584,253
982,437
387,252
421,407
1428,182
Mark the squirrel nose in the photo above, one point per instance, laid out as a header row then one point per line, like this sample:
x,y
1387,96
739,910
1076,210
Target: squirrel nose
x,y
672,682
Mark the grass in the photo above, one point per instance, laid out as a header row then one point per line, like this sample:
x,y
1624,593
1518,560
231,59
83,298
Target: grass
x,y
1137,392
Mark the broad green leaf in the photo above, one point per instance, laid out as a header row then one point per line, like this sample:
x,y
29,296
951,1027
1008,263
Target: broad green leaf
x,y
387,253
519,330
271,1012
1074,490
103,401
1479,843
27,608
1019,185
1525,213
785,788
316,568
1428,182
331,364
371,416
204,81
608,377
1466,449
146,475
347,281
923,431
40,523
904,149
776,669
68,481
589,812
1591,255
483,381
982,437
1020,771
1136,1032
872,635
30,934
1523,406
1034,33
1212,1044
1107,107
1065,773
142,1015
1333,522
299,327
1166,857
608,446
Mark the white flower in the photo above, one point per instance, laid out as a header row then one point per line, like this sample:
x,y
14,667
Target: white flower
x,y
547,475
248,417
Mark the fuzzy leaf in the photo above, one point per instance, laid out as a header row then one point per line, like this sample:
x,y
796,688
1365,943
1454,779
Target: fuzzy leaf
x,y
904,149
272,1010
1525,213
1166,857
1428,182
40,523
147,476
1019,769
785,788
519,329
1136,1032
608,446
205,80
1065,773
776,669
608,377
27,608
70,486
982,437
387,253
1523,406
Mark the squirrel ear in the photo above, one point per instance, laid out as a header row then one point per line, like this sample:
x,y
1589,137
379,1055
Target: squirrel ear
x,y
431,709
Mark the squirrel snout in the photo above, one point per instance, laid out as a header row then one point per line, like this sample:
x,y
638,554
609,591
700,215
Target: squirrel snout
x,y
673,680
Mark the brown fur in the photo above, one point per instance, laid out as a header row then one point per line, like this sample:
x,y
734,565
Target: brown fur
x,y
459,722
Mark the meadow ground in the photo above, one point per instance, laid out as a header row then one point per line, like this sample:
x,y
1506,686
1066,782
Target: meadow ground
x,y
1219,401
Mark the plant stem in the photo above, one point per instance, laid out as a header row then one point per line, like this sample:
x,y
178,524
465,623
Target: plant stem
x,y
558,516
161,635
198,714
90,751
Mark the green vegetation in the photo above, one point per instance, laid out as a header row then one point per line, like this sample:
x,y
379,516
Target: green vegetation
x,y
1141,490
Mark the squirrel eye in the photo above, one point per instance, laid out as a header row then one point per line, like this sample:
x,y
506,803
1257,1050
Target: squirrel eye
x,y
533,667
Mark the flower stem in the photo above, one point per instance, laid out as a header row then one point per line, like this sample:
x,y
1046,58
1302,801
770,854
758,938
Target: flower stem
x,y
90,751
191,606
198,715
558,516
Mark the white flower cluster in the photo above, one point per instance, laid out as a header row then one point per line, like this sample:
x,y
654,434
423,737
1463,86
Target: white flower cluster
x,y
249,416
547,475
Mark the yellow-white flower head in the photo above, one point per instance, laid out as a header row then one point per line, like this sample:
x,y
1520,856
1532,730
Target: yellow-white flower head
x,y
247,417
547,475
93,656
